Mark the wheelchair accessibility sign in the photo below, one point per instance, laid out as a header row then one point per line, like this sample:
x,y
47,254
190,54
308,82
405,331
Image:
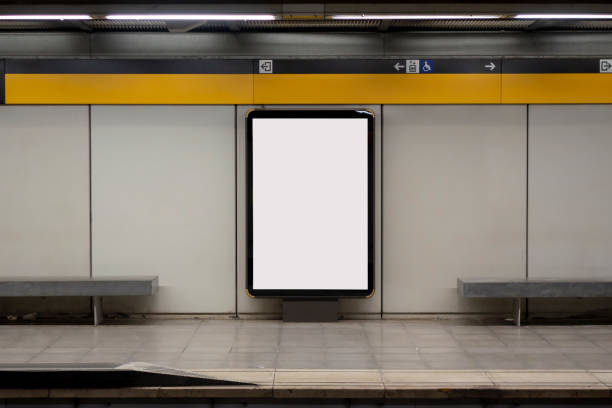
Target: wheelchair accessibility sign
x,y
426,66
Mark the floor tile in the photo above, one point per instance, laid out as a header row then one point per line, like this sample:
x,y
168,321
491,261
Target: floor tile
x,y
327,376
436,376
543,377
12,358
372,344
604,377
403,365
352,364
260,377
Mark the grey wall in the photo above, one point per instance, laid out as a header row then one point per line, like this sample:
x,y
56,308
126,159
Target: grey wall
x,y
163,203
44,185
454,203
44,196
165,183
570,191
570,196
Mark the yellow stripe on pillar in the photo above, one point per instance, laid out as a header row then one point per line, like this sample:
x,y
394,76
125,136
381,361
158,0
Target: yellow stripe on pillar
x,y
556,88
129,89
377,88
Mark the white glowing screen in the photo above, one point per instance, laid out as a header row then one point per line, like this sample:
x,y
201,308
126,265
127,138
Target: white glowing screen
x,y
310,203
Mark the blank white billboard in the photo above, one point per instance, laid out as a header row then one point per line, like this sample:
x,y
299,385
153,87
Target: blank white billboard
x,y
310,189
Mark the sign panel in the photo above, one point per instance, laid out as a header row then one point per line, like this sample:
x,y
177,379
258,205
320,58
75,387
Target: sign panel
x,y
310,212
379,66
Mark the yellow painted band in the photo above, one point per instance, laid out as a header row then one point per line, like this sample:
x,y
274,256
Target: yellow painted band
x,y
376,88
307,88
129,88
556,88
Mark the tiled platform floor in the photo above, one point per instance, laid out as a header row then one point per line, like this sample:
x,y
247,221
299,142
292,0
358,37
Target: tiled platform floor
x,y
259,344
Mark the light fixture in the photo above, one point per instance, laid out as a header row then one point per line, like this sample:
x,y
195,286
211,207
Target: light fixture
x,y
45,17
413,16
226,17
564,16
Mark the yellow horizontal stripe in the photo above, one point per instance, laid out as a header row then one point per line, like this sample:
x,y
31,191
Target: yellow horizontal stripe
x,y
307,88
129,89
557,88
376,88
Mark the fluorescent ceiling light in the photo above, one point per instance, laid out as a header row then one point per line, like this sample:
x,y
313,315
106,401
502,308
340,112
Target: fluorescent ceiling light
x,y
190,17
45,17
412,17
565,16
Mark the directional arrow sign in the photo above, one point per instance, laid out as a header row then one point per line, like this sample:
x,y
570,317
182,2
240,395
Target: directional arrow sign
x,y
490,66
398,66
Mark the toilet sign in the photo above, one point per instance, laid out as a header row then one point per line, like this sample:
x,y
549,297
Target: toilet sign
x,y
412,66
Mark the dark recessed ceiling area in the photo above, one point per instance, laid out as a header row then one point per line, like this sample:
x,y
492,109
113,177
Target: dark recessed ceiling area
x,y
303,16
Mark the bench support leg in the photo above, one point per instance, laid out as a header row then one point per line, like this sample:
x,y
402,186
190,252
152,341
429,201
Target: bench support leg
x,y
518,311
96,302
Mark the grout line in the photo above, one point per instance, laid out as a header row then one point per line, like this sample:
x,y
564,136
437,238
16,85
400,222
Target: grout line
x,y
592,374
190,339
488,375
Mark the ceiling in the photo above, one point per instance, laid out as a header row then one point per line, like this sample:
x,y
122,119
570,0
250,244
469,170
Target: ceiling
x,y
299,16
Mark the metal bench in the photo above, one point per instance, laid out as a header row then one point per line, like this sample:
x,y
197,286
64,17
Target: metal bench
x,y
519,289
95,288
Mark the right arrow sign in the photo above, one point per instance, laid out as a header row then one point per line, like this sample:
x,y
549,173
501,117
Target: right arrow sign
x,y
490,66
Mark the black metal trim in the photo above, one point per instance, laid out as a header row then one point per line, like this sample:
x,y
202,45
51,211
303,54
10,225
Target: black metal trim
x,y
445,65
551,65
309,293
125,66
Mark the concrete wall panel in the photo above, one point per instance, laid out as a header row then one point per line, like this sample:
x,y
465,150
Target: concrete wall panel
x,y
163,203
570,216
454,187
44,205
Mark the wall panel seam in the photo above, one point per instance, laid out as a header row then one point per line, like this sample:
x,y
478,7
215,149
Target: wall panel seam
x,y
236,211
90,198
527,205
382,215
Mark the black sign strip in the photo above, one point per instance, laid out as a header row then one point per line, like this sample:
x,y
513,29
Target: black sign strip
x,y
381,66
114,66
2,82
550,65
